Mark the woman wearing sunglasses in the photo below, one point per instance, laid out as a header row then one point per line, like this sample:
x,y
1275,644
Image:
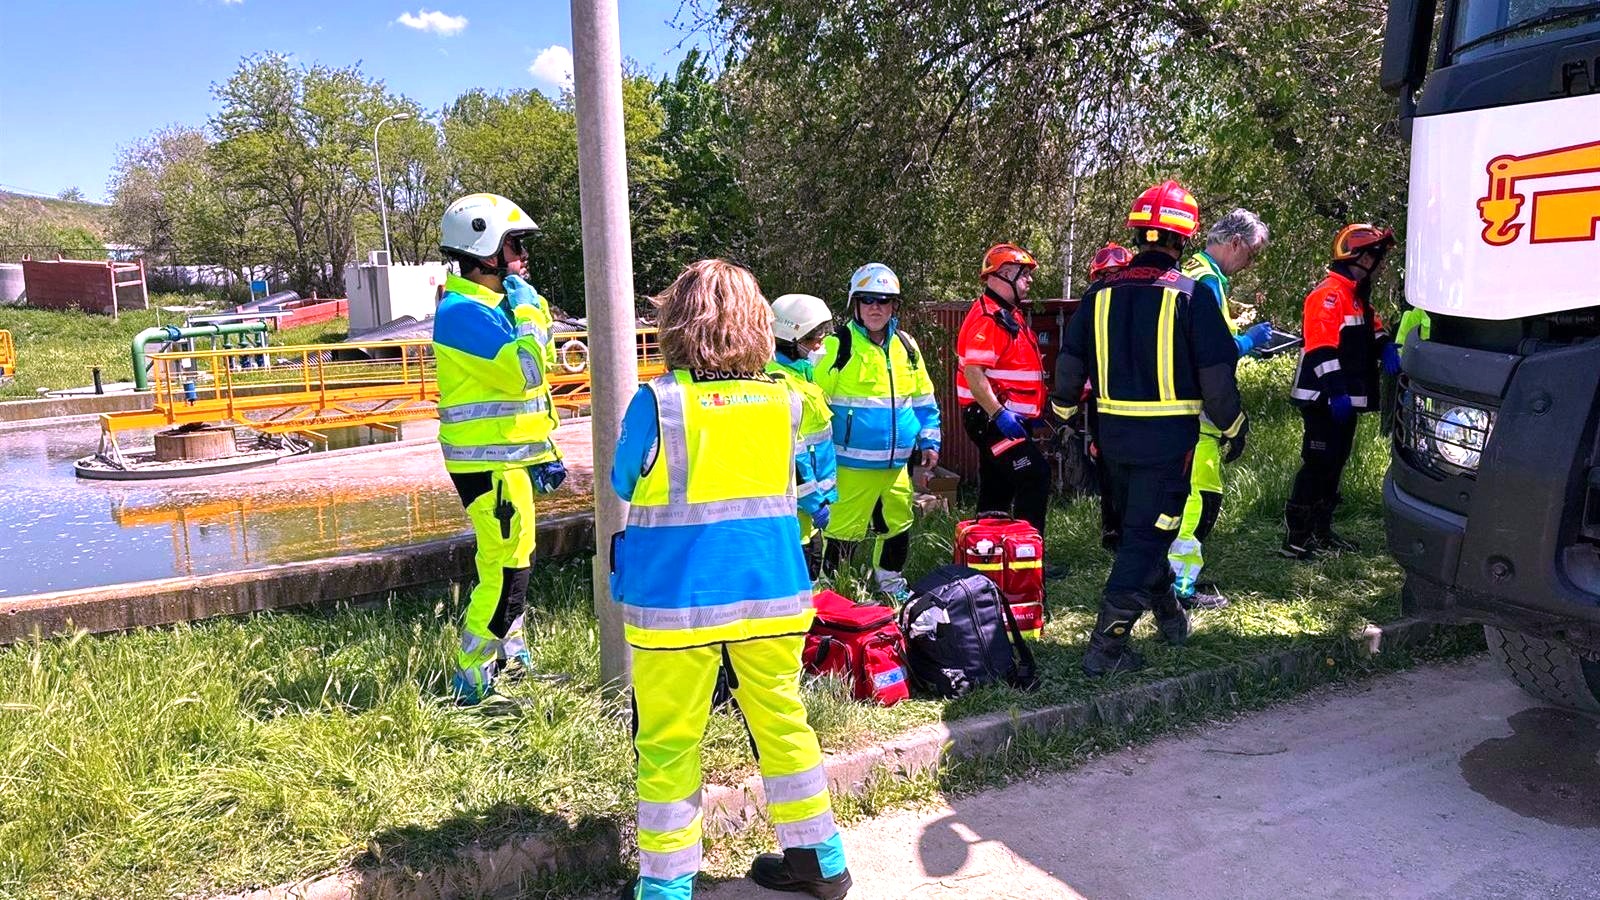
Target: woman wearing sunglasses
x,y
885,419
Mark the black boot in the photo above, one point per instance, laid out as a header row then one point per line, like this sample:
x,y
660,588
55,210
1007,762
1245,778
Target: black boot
x,y
1108,643
1301,541
1171,618
1324,535
798,871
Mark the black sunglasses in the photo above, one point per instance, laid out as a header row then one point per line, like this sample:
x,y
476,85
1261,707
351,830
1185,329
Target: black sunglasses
x,y
877,299
515,246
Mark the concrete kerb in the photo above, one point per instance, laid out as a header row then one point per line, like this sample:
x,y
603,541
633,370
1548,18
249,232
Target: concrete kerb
x,y
500,871
507,869
31,412
733,808
356,576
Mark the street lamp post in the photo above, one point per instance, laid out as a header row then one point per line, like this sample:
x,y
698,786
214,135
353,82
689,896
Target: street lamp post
x,y
383,201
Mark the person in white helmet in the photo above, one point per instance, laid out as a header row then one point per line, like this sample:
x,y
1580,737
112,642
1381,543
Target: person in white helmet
x,y
885,420
799,324
492,342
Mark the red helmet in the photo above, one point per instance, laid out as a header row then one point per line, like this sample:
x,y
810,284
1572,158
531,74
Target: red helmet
x,y
1001,254
1111,256
1168,206
1354,240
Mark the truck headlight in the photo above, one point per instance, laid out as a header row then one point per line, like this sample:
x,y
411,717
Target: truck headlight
x,y
1459,435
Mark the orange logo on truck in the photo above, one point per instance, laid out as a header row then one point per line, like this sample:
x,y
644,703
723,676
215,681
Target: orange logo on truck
x,y
1558,216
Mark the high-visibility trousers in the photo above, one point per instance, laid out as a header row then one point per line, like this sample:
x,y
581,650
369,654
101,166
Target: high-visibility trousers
x,y
870,500
672,701
1186,556
500,506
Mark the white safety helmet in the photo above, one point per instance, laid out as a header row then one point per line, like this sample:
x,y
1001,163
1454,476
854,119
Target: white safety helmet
x,y
796,315
874,278
477,224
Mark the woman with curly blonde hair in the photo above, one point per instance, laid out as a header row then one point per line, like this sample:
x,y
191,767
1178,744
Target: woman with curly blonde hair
x,y
710,573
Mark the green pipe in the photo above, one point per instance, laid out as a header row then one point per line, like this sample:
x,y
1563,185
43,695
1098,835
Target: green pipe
x,y
169,333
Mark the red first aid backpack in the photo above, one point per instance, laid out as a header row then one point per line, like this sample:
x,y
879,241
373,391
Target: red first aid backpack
x,y
863,644
1011,553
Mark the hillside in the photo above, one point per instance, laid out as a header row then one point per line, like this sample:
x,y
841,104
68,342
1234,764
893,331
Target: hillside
x,y
41,225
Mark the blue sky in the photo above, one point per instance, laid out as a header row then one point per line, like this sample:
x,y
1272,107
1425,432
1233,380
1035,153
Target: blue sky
x,y
79,78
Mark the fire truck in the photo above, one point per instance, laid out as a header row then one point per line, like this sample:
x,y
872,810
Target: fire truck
x,y
1492,498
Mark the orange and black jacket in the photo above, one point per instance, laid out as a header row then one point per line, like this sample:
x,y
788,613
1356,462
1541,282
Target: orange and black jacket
x,y
1343,339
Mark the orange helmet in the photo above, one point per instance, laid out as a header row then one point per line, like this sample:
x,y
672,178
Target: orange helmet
x,y
1354,240
1168,206
1111,256
1001,254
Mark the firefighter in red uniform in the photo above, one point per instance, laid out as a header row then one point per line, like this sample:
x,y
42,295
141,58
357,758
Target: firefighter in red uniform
x,y
1345,341
1000,386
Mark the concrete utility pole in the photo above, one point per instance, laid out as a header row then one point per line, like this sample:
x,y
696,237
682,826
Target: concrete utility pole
x,y
607,290
383,202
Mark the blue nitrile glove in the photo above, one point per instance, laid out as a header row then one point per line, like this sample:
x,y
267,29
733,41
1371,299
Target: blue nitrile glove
x,y
1339,405
519,292
1010,424
1258,335
1391,359
547,476
821,517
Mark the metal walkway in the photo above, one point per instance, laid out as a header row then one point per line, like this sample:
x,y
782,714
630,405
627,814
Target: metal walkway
x,y
312,388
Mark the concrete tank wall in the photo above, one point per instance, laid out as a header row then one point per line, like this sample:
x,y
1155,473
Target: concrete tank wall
x,y
12,292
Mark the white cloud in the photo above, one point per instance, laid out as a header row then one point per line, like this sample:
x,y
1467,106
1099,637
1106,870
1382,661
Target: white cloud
x,y
231,2
553,66
435,21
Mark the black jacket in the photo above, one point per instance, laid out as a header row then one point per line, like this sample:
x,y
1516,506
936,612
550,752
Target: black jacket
x,y
1153,344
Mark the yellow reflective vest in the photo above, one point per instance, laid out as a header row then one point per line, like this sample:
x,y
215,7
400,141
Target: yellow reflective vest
x,y
711,553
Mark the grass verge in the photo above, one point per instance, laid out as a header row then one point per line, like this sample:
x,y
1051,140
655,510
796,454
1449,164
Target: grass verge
x,y
250,752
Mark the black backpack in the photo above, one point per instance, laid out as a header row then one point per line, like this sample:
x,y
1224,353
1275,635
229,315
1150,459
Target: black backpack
x,y
846,336
960,634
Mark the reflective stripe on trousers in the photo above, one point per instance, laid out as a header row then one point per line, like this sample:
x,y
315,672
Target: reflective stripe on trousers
x,y
672,702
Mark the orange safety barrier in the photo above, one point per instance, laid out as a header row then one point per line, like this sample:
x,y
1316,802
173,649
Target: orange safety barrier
x,y
310,388
8,356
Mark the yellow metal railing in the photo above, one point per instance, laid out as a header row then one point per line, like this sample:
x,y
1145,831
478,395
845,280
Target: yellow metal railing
x,y
310,388
8,355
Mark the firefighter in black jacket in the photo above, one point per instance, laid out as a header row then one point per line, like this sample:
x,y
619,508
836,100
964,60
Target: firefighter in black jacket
x,y
1157,352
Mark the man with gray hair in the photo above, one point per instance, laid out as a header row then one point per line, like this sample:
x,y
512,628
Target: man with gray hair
x,y
1233,244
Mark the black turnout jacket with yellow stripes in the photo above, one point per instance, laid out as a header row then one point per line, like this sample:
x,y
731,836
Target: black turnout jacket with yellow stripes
x,y
1153,344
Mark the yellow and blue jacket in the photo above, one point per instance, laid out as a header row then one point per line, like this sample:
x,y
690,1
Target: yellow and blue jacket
x,y
495,410
881,397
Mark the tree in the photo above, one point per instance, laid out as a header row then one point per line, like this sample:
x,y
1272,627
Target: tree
x,y
294,146
71,194
416,187
915,134
697,144
142,212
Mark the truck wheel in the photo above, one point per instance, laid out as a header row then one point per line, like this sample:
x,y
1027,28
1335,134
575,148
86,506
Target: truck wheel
x,y
1549,670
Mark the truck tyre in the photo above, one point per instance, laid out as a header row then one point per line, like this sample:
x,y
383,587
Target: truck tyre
x,y
1549,670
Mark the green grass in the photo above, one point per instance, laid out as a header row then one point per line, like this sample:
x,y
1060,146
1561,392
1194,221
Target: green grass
x,y
56,349
247,752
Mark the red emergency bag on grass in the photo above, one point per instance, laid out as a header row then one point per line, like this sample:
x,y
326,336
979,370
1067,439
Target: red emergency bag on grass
x,y
862,644
1011,553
